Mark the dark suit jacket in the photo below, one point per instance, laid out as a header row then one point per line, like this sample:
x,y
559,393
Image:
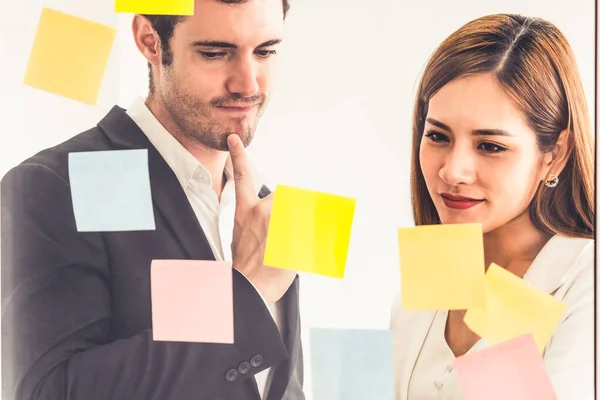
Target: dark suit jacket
x,y
76,311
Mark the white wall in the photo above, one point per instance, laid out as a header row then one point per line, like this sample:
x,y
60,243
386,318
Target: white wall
x,y
33,119
339,120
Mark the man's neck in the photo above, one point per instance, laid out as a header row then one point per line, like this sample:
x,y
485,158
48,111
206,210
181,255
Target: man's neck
x,y
212,160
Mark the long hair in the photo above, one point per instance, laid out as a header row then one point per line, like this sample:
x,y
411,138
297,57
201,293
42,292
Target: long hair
x,y
534,64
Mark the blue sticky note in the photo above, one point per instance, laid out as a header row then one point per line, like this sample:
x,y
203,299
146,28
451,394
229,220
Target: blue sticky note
x,y
352,364
111,190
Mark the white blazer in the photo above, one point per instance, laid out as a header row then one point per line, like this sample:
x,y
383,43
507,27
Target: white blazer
x,y
564,268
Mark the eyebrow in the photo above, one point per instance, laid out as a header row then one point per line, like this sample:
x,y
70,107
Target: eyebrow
x,y
476,132
227,45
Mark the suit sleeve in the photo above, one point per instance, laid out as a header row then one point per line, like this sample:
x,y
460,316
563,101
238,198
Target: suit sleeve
x,y
56,314
569,356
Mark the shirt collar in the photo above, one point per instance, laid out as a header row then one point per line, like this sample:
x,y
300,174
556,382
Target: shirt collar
x,y
185,166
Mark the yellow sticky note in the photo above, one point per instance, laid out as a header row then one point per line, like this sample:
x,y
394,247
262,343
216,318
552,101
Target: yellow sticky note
x,y
69,56
309,231
441,267
155,7
513,308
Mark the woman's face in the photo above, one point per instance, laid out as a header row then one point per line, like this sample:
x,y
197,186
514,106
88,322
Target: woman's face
x,y
479,157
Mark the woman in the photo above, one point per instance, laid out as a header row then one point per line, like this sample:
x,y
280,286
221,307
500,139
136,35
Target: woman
x,y
502,136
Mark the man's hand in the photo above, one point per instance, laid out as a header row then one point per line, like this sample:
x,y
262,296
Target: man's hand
x,y
251,225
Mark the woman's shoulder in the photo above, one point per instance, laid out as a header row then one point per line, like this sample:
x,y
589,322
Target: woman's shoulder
x,y
578,252
576,256
560,243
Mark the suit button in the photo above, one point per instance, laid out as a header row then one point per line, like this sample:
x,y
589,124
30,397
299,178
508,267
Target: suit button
x,y
231,375
256,361
438,384
244,367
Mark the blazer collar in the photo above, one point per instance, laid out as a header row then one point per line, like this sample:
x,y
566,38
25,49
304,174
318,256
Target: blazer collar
x,y
554,264
168,195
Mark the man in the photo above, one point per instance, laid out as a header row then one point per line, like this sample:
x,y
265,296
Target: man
x,y
76,307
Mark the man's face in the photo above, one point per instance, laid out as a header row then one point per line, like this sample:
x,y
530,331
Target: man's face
x,y
224,61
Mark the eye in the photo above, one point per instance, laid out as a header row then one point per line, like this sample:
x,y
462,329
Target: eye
x,y
266,53
436,137
491,148
212,55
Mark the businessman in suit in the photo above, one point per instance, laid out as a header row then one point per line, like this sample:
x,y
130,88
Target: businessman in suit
x,y
76,306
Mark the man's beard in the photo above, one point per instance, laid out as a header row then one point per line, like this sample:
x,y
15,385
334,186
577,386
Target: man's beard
x,y
195,121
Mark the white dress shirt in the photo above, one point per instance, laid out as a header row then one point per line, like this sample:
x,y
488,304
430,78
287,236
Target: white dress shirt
x,y
215,218
564,268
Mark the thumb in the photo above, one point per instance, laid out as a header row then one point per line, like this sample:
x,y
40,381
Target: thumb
x,y
242,172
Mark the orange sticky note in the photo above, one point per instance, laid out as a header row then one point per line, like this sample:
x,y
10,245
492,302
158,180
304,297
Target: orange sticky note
x,y
192,301
309,231
509,370
155,7
441,267
69,56
513,308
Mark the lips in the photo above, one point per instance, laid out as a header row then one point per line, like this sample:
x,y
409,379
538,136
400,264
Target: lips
x,y
238,107
459,202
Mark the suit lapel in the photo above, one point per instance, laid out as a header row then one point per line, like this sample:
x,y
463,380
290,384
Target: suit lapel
x,y
291,338
168,195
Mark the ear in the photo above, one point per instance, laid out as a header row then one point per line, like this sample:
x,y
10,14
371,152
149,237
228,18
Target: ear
x,y
556,159
146,39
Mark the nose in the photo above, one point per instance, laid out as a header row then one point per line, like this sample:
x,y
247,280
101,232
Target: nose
x,y
458,167
244,77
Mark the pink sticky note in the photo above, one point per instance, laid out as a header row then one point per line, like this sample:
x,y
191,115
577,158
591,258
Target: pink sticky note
x,y
192,301
513,370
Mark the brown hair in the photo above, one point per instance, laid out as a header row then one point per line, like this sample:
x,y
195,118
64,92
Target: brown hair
x,y
535,66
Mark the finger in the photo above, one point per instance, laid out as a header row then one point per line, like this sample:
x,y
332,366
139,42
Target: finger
x,y
245,190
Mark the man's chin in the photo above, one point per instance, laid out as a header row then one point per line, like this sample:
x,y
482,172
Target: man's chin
x,y
246,138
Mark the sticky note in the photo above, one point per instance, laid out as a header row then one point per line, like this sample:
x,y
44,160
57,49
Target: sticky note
x,y
69,56
441,267
309,231
110,191
192,301
352,364
155,7
513,308
509,370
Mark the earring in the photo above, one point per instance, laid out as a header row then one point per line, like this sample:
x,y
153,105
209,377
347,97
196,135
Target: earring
x,y
552,182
